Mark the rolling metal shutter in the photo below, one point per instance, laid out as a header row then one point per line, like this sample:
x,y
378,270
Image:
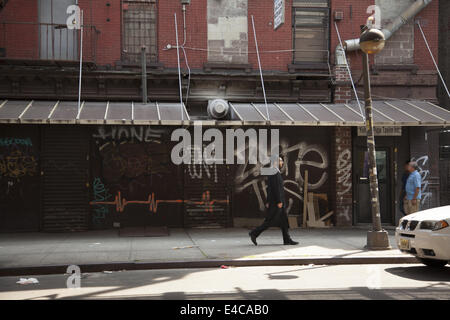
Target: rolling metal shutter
x,y
207,195
65,178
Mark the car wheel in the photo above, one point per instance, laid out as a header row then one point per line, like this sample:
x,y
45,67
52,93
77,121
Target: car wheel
x,y
433,263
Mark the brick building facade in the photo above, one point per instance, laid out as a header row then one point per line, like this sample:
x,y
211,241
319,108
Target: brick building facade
x,y
39,61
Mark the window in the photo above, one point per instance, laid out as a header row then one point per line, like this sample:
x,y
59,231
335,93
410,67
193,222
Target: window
x,y
311,31
139,29
56,41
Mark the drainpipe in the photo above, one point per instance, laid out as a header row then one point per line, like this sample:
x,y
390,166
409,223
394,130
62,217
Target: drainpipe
x,y
388,31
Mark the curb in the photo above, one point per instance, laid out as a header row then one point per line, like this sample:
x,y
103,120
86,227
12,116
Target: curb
x,y
88,268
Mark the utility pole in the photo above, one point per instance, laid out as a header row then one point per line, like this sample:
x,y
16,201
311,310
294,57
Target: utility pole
x,y
144,73
372,41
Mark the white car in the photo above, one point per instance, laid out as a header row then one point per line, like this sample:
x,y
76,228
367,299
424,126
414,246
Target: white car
x,y
426,235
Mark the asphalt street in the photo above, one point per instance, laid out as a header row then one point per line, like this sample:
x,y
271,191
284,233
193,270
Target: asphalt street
x,y
408,281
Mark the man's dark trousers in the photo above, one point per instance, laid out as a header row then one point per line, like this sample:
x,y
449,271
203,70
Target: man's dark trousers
x,y
277,217
270,223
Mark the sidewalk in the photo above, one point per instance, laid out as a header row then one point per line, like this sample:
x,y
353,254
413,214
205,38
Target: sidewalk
x,y
105,250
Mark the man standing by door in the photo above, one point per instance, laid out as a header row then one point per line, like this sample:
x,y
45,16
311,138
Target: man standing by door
x,y
413,190
276,204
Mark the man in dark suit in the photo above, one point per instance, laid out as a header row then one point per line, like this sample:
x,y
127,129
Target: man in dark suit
x,y
276,204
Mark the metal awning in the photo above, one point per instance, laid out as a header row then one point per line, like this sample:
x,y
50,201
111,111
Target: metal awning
x,y
66,112
386,113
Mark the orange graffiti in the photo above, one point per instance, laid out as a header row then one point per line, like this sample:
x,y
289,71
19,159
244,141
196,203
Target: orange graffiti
x,y
17,165
120,203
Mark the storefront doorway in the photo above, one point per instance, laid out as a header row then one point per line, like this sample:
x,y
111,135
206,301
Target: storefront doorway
x,y
362,188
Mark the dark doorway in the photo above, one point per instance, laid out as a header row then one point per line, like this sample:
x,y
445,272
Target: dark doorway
x,y
362,196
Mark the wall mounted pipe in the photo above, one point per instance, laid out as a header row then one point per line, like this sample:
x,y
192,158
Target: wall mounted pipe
x,y
388,31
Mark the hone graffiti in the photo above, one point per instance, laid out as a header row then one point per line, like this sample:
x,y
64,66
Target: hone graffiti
x,y
129,133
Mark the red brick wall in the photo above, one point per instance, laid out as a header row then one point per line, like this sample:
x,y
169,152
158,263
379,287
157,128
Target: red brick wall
x,y
268,38
197,34
109,40
349,27
430,24
20,40
343,91
97,13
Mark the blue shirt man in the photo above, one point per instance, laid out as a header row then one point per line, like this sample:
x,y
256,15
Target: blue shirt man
x,y
414,181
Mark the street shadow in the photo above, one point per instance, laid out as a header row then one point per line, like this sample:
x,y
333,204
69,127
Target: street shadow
x,y
281,275
353,293
132,285
421,273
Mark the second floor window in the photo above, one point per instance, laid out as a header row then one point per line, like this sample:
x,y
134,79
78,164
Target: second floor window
x,y
139,29
311,31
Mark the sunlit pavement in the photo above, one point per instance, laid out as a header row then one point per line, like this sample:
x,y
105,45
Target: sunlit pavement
x,y
43,249
408,281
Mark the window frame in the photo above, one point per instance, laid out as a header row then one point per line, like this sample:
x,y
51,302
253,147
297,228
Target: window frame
x,y
312,7
124,56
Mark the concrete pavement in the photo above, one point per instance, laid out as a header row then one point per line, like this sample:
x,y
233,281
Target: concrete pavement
x,y
400,281
105,250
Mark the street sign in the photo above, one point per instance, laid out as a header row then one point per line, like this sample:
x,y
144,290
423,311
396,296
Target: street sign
x,y
382,131
278,16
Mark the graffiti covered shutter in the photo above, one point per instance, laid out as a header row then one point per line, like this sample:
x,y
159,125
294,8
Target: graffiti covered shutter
x,y
206,195
65,176
19,178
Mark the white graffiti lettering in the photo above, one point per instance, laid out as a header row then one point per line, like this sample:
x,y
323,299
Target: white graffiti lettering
x,y
422,163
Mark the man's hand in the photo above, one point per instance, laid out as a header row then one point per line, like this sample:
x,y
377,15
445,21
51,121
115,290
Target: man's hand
x,y
267,205
280,205
414,201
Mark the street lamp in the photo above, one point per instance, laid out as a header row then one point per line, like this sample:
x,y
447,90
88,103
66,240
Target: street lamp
x,y
371,42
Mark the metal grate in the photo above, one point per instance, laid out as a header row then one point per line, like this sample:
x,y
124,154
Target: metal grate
x,y
206,187
139,29
65,176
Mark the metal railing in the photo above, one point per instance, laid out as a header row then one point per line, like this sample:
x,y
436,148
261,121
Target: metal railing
x,y
46,41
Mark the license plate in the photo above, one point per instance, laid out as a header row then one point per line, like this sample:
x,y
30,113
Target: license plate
x,y
404,244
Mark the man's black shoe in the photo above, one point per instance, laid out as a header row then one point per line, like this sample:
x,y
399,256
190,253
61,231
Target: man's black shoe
x,y
253,238
290,243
